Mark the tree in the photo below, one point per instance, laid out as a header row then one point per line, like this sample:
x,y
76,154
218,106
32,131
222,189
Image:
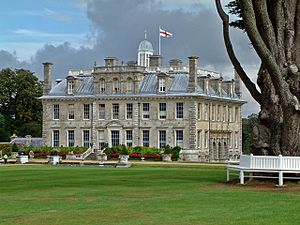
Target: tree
x,y
249,126
273,28
19,103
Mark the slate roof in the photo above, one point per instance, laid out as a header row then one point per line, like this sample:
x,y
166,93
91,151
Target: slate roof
x,y
178,86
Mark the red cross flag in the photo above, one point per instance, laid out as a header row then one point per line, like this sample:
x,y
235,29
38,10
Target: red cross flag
x,y
164,33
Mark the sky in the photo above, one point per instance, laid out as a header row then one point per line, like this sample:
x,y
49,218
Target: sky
x,y
74,34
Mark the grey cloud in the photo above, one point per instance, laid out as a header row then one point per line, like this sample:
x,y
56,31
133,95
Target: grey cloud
x,y
119,27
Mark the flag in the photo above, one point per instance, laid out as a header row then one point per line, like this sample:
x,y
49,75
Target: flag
x,y
164,33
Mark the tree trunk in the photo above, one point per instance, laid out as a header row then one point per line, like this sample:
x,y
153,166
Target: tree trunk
x,y
273,28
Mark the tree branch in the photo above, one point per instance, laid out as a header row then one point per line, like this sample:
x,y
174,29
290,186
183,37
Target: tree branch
x,y
266,26
237,66
263,52
289,15
297,36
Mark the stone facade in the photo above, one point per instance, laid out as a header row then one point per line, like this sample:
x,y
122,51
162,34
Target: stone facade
x,y
132,105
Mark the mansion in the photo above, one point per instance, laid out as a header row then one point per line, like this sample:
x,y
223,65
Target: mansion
x,y
145,104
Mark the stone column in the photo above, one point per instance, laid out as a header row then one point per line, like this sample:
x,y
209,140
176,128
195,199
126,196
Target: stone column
x,y
192,124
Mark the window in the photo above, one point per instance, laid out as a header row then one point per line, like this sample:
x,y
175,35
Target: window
x,y
199,111
129,111
129,138
162,110
162,84
206,139
56,112
230,114
146,138
71,112
129,85
236,145
218,112
115,111
116,85
86,138
213,112
71,138
71,85
162,138
101,111
101,139
179,138
237,114
206,108
146,110
179,110
86,111
199,139
56,138
224,113
102,85
115,138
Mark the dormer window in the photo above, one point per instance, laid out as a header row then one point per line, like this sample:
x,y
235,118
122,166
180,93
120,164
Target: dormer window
x,y
162,85
71,85
102,85
116,85
129,85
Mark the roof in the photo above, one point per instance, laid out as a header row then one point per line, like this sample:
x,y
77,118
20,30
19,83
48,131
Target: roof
x,y
146,45
177,86
35,142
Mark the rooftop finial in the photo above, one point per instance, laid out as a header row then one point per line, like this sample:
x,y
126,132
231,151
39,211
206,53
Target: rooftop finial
x,y
145,33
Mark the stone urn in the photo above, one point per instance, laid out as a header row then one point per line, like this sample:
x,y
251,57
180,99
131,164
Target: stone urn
x,y
123,159
167,157
54,159
102,156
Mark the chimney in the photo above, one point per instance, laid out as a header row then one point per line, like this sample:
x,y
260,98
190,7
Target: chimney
x,y
175,64
111,61
47,77
155,62
192,73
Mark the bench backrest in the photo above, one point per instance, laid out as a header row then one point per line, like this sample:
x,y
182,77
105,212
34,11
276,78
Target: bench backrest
x,y
270,162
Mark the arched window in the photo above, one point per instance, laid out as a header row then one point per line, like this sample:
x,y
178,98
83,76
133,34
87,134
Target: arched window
x,y
102,85
116,85
129,85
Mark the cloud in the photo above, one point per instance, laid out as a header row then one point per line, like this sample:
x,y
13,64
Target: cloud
x,y
117,27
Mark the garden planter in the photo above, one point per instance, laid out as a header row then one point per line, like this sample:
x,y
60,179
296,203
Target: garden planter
x,y
123,159
54,159
102,157
167,157
21,159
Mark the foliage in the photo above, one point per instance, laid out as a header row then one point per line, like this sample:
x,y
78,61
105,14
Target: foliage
x,y
14,147
19,103
41,152
248,126
4,135
235,9
174,151
6,149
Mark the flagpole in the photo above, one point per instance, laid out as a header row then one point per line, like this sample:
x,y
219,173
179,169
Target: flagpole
x,y
159,41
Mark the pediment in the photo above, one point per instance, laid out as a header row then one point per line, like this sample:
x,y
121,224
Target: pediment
x,y
114,124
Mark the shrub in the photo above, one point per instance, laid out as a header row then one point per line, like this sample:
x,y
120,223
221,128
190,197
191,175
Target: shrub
x,y
6,149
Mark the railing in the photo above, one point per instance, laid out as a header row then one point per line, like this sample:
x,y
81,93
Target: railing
x,y
89,151
270,162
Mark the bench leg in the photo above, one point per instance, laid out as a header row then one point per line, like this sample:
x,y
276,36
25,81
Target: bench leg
x,y
280,178
241,177
228,175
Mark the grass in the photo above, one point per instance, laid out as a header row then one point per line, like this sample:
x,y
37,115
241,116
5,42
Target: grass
x,y
156,194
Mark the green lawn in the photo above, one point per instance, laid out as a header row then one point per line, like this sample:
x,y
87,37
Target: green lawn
x,y
41,194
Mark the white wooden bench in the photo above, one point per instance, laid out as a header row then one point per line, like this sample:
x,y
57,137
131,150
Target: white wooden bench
x,y
280,165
